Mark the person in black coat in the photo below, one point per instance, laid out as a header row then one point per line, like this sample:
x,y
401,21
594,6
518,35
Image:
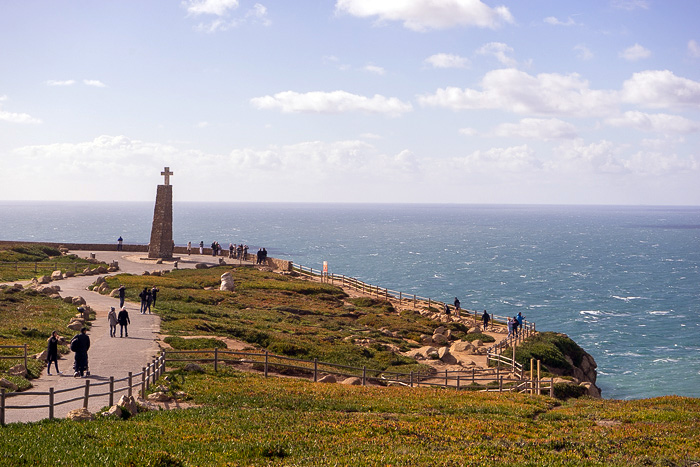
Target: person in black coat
x,y
52,352
124,321
80,345
154,295
122,295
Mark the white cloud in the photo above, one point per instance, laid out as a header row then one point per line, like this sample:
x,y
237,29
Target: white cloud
x,y
536,128
657,163
693,48
331,103
556,22
659,89
443,60
630,5
68,82
577,157
14,117
94,83
519,92
202,125
661,123
515,159
259,13
500,51
634,53
584,53
468,131
375,69
210,7
421,15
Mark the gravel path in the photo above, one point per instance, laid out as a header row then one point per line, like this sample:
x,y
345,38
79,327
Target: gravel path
x,y
107,356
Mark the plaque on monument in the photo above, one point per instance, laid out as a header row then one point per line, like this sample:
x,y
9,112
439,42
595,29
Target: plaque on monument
x,y
161,245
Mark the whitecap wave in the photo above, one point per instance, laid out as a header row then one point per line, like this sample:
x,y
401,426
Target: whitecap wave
x,y
660,313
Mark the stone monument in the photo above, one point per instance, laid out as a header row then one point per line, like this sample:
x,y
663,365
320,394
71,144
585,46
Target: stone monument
x,y
161,245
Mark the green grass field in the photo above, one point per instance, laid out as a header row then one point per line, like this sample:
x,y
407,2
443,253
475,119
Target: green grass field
x,y
21,262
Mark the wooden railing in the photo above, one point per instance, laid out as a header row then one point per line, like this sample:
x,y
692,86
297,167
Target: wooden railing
x,y
45,265
15,357
147,376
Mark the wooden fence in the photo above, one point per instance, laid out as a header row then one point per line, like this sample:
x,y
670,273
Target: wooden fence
x,y
15,357
505,376
45,265
142,380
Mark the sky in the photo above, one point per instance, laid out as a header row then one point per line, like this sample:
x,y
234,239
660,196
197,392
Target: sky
x,y
391,101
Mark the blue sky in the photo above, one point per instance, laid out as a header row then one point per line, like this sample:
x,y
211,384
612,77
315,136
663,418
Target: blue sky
x,y
432,101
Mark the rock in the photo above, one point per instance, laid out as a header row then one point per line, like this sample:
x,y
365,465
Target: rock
x,y
440,330
129,404
7,384
160,261
112,269
200,266
426,339
80,415
352,381
77,301
591,389
477,343
446,357
227,282
155,272
69,274
68,299
99,280
328,379
17,370
145,406
56,275
114,293
75,325
101,270
43,279
462,346
146,273
448,334
158,397
439,339
114,411
41,355
193,367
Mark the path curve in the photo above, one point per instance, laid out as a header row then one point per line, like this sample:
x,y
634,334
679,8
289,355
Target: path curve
x,y
107,356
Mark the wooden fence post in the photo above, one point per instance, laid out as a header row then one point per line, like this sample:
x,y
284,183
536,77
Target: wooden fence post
x,y
143,382
2,406
551,387
411,379
538,377
315,369
87,394
532,375
458,382
50,403
500,384
446,380
266,362
364,375
130,383
25,357
216,360
111,391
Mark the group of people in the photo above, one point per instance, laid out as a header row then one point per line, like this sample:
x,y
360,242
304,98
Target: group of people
x,y
235,251
122,319
79,344
515,324
148,298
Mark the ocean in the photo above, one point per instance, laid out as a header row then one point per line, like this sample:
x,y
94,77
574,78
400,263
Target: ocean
x,y
623,282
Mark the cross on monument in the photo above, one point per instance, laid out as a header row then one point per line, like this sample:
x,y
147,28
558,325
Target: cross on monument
x,y
167,173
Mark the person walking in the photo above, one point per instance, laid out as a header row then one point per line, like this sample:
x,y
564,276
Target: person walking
x,y
520,319
485,318
124,321
142,296
510,327
457,306
516,325
112,318
122,295
154,296
80,344
149,300
230,250
201,247
189,248
52,353
120,241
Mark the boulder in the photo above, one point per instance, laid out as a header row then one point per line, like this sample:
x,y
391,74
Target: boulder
x,y
446,357
69,274
158,397
77,301
80,415
352,381
440,330
426,339
591,389
160,261
448,334
114,411
227,282
101,270
155,272
75,325
112,269
7,384
128,403
146,273
201,266
68,299
462,346
17,370
477,343
114,293
193,367
43,279
439,339
145,406
56,275
99,280
328,379
41,355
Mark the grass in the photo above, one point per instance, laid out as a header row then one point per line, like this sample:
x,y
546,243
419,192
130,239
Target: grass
x,y
244,419
21,262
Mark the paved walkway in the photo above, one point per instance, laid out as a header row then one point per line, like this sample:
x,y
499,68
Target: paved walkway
x,y
107,356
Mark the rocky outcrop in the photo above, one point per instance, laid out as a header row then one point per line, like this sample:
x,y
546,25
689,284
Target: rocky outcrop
x,y
227,283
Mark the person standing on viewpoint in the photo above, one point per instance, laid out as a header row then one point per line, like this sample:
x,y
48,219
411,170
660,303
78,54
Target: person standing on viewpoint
x,y
485,318
154,295
201,247
112,318
124,321
120,240
52,352
189,248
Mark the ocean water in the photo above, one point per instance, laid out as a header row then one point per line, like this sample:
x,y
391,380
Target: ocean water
x,y
623,282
